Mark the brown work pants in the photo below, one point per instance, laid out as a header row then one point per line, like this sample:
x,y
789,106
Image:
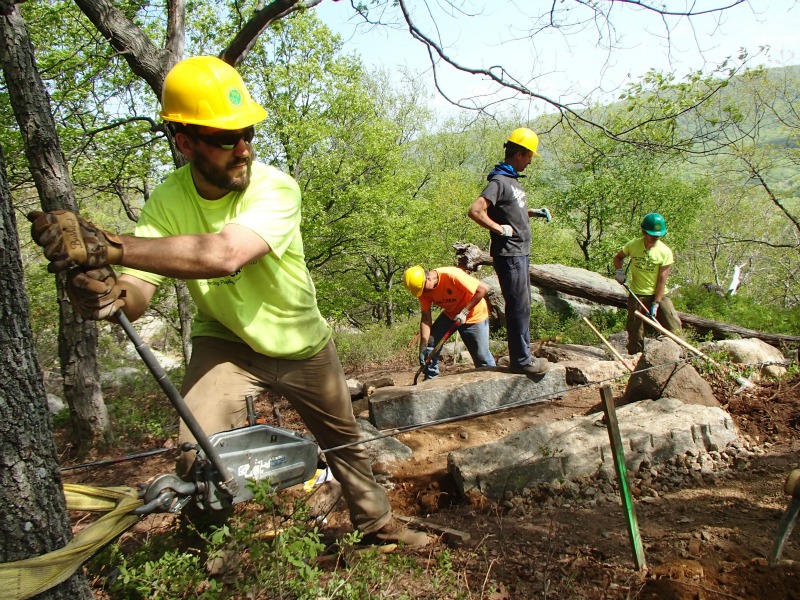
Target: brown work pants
x,y
666,316
221,374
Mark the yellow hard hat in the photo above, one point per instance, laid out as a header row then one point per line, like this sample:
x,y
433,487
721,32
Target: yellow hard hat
x,y
204,90
414,280
526,138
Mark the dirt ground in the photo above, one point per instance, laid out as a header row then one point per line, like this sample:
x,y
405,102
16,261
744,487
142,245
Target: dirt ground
x,y
700,543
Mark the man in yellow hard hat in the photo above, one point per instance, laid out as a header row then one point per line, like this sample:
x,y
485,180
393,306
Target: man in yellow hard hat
x,y
230,227
650,262
463,303
502,208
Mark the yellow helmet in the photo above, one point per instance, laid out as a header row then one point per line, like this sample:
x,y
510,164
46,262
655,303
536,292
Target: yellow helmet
x,y
414,280
204,90
526,138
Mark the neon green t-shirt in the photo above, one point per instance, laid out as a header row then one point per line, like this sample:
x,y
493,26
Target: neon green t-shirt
x,y
645,264
270,304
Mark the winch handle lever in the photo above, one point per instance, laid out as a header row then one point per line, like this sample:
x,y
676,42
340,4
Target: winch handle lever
x,y
227,481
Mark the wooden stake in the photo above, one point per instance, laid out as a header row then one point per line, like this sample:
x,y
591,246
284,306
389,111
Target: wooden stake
x,y
610,347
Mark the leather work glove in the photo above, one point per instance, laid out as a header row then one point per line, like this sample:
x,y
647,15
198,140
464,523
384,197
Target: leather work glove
x,y
543,213
508,231
619,275
423,356
94,293
70,240
462,316
653,310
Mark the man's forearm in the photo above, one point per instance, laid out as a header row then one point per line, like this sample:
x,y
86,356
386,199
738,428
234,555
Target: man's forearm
x,y
477,212
135,301
424,335
661,284
180,257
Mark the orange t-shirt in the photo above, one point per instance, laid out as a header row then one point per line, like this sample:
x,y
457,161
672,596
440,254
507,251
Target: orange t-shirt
x,y
454,290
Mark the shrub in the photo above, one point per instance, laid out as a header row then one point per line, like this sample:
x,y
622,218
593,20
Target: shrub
x,y
744,311
379,344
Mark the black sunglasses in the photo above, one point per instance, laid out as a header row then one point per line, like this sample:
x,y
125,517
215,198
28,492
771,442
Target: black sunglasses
x,y
226,141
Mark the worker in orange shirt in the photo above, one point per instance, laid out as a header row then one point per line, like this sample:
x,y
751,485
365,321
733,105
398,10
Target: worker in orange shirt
x,y
462,299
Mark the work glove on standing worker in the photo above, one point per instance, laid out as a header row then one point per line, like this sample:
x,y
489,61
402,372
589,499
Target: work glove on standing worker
x,y
619,275
653,310
69,240
94,293
462,316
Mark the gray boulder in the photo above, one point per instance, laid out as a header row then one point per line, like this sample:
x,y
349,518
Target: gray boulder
x,y
751,351
661,374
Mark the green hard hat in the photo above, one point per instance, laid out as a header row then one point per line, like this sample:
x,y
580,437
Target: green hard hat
x,y
654,224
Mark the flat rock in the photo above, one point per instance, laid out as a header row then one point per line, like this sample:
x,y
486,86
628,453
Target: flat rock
x,y
571,448
581,372
459,395
383,449
557,353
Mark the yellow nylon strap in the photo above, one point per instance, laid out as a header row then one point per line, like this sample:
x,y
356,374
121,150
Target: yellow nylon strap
x,y
25,578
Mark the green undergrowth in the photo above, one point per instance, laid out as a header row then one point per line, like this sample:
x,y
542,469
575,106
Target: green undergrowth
x,y
378,344
743,311
270,551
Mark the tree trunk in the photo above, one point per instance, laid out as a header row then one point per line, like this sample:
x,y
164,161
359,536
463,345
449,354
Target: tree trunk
x,y
36,520
77,345
470,257
184,301
77,338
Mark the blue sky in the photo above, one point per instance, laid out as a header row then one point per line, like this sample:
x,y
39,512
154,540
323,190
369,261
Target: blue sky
x,y
568,68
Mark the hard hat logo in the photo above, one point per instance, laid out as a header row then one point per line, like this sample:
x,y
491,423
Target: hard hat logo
x,y
235,97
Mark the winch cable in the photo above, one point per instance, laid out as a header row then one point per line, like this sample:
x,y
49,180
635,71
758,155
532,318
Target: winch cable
x,y
119,459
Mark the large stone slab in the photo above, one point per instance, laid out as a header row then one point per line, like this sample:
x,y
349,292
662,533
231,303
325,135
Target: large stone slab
x,y
459,395
655,430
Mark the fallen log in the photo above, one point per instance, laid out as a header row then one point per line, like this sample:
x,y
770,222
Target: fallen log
x,y
557,277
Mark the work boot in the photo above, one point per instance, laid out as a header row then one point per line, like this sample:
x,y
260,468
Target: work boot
x,y
538,366
394,532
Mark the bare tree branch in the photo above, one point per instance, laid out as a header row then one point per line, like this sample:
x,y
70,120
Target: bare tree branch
x,y
565,17
248,34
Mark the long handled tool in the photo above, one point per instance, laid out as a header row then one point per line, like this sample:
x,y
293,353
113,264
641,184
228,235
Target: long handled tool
x,y
641,304
608,345
743,381
227,481
436,349
791,488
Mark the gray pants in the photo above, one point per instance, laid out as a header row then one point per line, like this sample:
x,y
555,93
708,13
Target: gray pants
x,y
220,375
666,316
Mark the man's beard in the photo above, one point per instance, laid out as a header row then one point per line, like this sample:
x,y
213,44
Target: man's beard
x,y
220,177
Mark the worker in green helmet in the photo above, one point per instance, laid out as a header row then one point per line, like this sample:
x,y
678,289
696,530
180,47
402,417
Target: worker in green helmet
x,y
650,263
